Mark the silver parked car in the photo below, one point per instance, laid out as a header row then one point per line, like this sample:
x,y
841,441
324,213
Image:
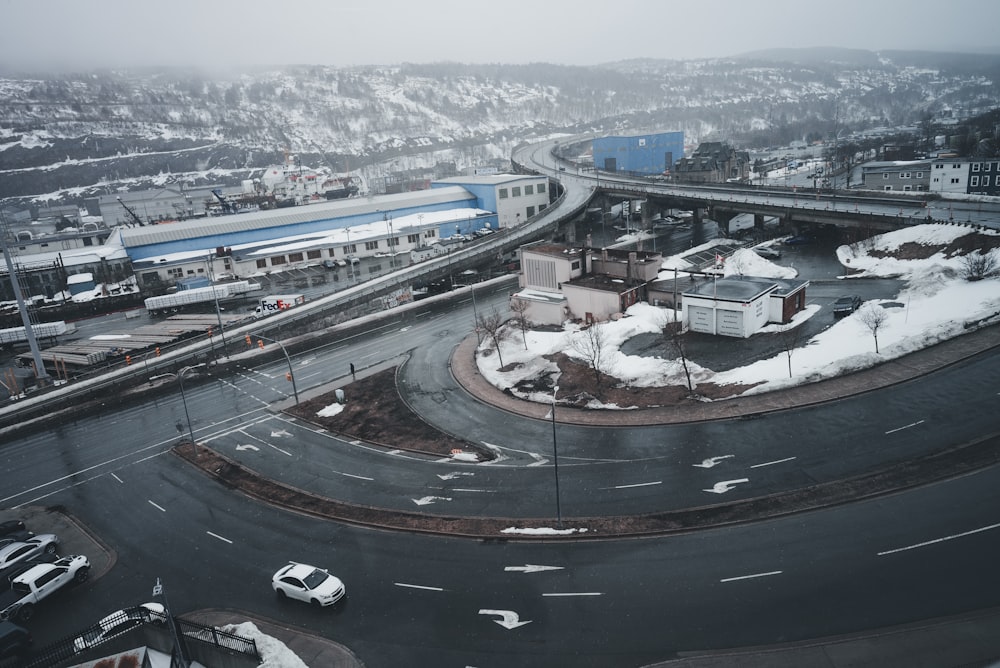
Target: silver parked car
x,y
29,548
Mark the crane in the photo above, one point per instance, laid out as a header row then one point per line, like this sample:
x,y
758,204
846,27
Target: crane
x,y
131,214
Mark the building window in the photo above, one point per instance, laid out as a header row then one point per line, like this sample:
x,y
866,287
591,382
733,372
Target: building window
x,y
885,176
278,259
986,181
430,234
412,239
295,257
920,175
393,242
974,182
956,166
371,245
529,190
314,254
503,193
907,188
374,269
574,265
976,166
887,188
262,264
515,191
350,248
954,181
331,251
541,188
531,211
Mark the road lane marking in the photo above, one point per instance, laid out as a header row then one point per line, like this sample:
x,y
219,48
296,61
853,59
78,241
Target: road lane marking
x,y
351,475
750,577
905,426
940,540
638,484
413,586
776,461
575,593
117,478
158,507
215,535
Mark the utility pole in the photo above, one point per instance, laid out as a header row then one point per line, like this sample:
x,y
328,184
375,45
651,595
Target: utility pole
x,y
41,375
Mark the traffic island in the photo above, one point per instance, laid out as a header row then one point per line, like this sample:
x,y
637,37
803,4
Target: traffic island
x,y
953,462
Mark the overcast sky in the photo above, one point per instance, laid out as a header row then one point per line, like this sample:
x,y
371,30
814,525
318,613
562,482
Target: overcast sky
x,y
83,34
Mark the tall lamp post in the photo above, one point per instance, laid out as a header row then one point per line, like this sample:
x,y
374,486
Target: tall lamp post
x,y
180,382
555,458
218,312
159,591
291,373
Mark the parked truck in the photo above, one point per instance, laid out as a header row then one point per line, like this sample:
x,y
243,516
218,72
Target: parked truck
x,y
41,330
183,298
277,303
40,582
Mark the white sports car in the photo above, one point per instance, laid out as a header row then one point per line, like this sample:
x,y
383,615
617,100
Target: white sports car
x,y
309,584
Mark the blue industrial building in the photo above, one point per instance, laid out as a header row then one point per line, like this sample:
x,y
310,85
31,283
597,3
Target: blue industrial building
x,y
641,154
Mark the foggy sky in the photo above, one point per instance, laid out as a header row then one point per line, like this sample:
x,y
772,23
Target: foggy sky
x,y
86,34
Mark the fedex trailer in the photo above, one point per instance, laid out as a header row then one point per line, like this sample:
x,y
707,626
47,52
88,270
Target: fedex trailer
x,y
277,303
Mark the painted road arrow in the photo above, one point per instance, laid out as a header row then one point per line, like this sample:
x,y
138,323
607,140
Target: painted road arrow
x,y
248,447
532,568
430,499
510,618
725,486
452,476
280,434
712,461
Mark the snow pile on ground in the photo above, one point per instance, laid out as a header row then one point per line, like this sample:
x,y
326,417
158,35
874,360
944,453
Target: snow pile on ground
x,y
935,305
331,410
275,654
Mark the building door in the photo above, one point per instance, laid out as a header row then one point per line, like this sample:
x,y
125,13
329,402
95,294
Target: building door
x,y
668,161
610,165
700,319
730,323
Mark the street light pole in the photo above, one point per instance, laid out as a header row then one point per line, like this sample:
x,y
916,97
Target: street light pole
x,y
291,373
218,312
555,458
158,590
187,415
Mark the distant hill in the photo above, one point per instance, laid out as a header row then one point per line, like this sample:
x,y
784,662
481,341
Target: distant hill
x,y
70,136
819,55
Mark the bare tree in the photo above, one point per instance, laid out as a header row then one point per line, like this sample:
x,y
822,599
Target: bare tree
x,y
673,333
589,344
788,336
978,265
873,317
519,307
492,324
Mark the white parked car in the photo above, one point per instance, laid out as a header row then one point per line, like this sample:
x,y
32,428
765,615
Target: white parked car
x,y
118,623
308,583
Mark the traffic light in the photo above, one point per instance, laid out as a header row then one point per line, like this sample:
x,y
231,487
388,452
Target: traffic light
x,y
128,360
260,344
157,351
249,342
